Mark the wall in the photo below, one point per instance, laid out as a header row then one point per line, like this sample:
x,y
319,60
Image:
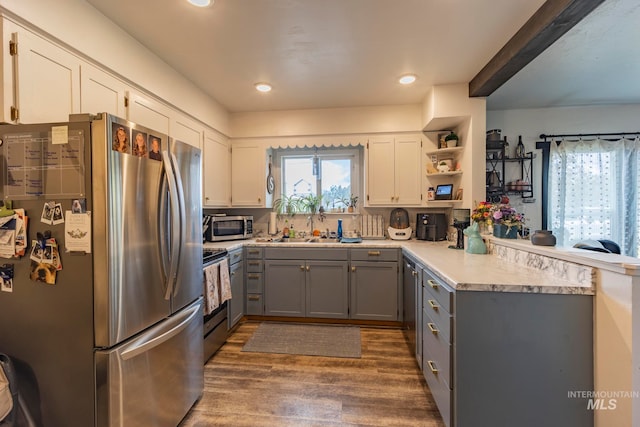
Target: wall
x,y
80,26
329,121
530,123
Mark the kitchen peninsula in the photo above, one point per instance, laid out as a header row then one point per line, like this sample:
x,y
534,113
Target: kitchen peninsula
x,y
515,331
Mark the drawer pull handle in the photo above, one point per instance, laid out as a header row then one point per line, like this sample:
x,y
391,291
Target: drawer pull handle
x,y
373,253
254,298
253,276
433,305
432,367
432,328
254,251
254,262
433,284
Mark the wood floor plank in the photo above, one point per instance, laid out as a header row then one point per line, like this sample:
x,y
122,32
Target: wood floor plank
x,y
382,388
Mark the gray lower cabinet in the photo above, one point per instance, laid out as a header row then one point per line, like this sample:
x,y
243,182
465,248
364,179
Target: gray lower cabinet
x,y
327,289
374,290
306,282
254,282
235,306
507,358
284,288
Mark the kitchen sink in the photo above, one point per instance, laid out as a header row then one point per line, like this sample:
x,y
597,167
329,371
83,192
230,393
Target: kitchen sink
x,y
305,240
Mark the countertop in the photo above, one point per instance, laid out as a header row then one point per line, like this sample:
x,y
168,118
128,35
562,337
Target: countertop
x,y
459,269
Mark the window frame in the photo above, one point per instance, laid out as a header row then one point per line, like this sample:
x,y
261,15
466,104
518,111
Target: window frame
x,y
324,153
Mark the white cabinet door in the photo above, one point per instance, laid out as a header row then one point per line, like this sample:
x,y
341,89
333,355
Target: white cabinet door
x,y
46,80
186,130
394,171
101,92
408,170
216,171
249,176
380,171
148,113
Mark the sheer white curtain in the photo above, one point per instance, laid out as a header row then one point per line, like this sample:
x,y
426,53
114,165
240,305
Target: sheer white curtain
x,y
593,191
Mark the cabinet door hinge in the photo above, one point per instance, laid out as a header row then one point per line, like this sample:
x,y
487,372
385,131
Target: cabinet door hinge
x,y
367,145
13,48
15,114
420,196
126,101
367,197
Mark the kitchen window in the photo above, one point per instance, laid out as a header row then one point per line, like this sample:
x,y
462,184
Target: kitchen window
x,y
331,173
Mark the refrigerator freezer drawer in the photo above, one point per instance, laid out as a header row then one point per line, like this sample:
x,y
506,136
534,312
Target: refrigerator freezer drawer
x,y
154,378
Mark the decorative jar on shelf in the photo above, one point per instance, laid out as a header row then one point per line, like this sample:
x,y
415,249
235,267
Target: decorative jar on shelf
x,y
543,238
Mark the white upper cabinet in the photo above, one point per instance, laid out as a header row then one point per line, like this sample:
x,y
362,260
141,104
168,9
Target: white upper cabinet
x,y
186,130
249,176
394,171
216,165
101,92
45,80
148,112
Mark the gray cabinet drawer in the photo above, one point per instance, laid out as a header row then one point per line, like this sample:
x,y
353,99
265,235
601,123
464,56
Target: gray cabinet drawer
x,y
255,304
254,266
438,347
235,256
440,292
254,253
374,254
440,390
254,283
438,315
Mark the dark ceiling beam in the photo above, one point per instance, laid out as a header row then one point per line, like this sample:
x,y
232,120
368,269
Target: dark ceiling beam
x,y
548,24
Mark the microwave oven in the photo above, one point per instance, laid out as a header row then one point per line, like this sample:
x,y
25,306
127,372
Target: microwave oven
x,y
221,227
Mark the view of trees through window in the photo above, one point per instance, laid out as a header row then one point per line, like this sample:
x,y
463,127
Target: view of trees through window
x,y
328,175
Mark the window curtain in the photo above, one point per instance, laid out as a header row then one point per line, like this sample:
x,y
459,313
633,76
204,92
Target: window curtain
x,y
593,191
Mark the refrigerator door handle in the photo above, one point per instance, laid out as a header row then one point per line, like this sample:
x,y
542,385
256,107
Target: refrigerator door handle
x,y
149,340
183,213
175,223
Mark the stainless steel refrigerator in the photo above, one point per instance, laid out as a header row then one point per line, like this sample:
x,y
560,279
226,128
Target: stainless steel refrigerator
x,y
117,339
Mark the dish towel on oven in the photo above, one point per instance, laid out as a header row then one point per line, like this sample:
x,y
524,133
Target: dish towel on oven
x,y
225,281
211,288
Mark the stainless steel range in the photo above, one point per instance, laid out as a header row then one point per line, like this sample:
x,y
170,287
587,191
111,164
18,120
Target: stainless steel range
x,y
215,323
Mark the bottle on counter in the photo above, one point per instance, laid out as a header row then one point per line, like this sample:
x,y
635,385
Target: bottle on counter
x,y
339,229
285,229
292,232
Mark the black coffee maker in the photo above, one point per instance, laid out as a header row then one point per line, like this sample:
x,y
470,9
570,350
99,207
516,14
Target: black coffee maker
x,y
431,227
461,220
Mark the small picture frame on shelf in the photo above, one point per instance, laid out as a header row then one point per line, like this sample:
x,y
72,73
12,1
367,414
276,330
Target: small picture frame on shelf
x,y
459,194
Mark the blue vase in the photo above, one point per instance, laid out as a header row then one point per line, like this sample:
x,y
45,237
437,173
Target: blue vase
x,y
504,232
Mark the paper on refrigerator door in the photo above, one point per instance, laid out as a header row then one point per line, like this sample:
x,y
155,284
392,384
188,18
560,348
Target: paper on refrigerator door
x,y
77,232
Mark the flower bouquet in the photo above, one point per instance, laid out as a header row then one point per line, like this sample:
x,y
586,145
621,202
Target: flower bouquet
x,y
506,221
481,214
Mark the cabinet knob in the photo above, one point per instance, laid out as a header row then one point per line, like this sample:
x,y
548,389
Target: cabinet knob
x,y
259,200
302,267
392,198
414,273
353,268
308,268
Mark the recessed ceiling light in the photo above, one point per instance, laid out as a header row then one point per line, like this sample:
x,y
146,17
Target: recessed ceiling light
x,y
263,87
201,3
407,79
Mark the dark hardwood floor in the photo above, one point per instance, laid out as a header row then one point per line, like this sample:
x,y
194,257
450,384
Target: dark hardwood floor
x,y
383,388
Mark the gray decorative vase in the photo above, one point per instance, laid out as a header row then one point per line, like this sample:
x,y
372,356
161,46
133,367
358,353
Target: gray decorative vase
x,y
543,238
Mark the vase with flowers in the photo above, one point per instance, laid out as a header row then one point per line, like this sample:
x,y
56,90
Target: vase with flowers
x,y
482,216
506,221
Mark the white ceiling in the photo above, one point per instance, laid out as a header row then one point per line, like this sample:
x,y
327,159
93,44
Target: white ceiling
x,y
596,62
349,53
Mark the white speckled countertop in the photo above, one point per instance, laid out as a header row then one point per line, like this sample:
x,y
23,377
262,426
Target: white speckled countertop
x,y
500,271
